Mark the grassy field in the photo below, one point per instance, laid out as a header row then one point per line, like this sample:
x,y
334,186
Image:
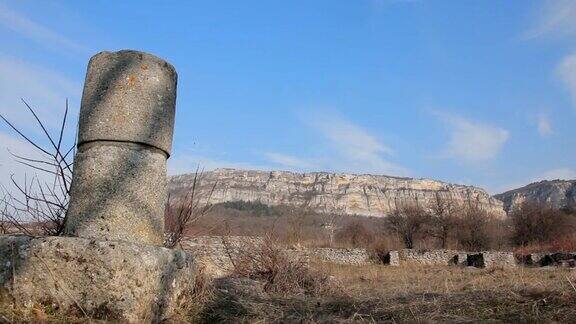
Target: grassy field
x,y
411,294
374,293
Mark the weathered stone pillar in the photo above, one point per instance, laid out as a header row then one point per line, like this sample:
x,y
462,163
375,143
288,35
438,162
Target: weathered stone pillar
x,y
124,139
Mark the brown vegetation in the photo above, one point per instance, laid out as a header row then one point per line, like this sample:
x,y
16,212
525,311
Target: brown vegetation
x,y
440,225
280,272
408,222
180,215
535,223
412,294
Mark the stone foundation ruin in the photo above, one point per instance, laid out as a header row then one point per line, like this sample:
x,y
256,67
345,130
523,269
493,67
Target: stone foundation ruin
x,y
215,253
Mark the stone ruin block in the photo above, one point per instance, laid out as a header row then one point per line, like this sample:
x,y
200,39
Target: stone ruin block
x,y
118,281
531,259
432,257
560,259
391,258
459,259
341,256
491,260
214,253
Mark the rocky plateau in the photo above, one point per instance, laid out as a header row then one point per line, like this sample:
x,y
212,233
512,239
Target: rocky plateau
x,y
367,195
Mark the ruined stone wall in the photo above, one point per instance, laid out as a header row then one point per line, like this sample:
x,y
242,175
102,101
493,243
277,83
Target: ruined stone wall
x,y
431,257
339,256
215,251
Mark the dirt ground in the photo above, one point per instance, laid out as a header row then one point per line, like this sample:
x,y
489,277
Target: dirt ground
x,y
408,294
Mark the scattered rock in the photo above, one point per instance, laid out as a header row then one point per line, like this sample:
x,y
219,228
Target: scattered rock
x,y
432,257
491,260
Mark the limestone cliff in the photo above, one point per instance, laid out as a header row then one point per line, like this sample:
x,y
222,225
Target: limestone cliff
x,y
558,193
368,195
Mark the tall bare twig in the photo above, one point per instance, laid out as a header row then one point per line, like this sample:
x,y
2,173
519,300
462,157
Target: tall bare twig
x,y
181,213
37,204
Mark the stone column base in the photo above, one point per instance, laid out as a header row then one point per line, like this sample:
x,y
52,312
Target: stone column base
x,y
100,279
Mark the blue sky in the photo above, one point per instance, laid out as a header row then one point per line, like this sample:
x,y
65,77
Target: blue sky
x,y
472,92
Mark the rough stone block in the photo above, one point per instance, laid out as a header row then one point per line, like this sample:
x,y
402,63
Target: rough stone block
x,y
563,259
431,257
491,260
531,259
392,259
341,256
129,96
114,280
118,193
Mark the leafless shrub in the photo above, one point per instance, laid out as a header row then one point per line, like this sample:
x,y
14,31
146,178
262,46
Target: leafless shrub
x,y
407,221
443,219
535,223
355,234
269,262
35,201
182,213
331,226
477,229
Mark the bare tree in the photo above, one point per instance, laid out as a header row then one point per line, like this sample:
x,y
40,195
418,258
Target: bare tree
x,y
443,219
180,214
407,221
473,228
332,221
42,202
539,223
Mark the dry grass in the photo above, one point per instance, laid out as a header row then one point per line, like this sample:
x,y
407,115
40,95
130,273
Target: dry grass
x,y
460,294
417,294
37,313
374,293
203,294
269,262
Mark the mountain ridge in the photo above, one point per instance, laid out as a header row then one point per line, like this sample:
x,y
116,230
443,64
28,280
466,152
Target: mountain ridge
x,y
558,193
329,192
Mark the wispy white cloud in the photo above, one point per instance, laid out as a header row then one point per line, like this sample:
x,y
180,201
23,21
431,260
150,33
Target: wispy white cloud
x,y
472,141
37,32
353,148
187,162
44,89
350,139
289,161
544,125
555,18
356,148
346,147
554,174
567,72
